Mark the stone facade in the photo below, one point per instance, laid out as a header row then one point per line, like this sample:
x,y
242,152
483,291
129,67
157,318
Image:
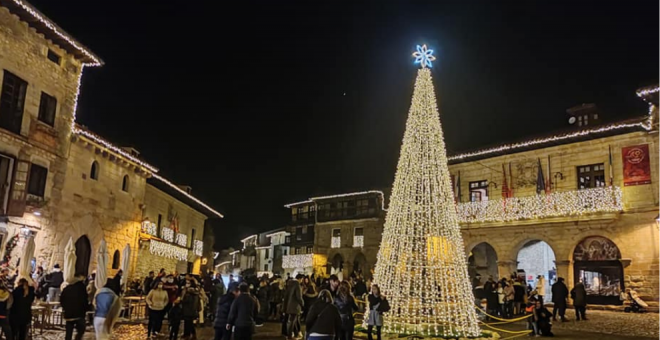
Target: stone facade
x,y
633,230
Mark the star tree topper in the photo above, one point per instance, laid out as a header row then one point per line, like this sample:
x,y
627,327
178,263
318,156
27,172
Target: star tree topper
x,y
424,56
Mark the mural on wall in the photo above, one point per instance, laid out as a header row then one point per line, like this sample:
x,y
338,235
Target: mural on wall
x,y
596,248
526,172
636,165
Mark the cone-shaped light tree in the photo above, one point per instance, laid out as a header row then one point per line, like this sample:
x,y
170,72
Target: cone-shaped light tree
x,y
421,266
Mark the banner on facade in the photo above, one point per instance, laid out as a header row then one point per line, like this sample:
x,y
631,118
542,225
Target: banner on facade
x,y
636,165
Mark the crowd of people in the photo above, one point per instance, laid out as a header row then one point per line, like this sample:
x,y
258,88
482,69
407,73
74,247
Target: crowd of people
x,y
326,306
511,297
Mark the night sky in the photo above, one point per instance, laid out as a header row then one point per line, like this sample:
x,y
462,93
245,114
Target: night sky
x,y
258,104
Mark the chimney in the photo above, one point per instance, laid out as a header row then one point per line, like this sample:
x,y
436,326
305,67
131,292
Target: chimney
x,y
185,188
583,115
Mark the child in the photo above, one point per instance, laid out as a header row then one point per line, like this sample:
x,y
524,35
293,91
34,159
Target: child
x,y
175,316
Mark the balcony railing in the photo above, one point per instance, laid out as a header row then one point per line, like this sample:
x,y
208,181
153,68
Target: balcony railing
x,y
297,261
556,204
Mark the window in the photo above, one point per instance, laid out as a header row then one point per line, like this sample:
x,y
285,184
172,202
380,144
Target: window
x,y
299,233
591,176
12,102
267,254
54,57
115,260
37,180
304,230
358,237
265,267
336,238
284,251
47,108
160,219
94,172
479,191
310,250
124,184
192,237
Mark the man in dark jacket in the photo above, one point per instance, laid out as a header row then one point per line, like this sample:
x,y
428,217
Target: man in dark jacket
x,y
222,312
55,280
242,313
75,304
292,306
559,296
579,296
323,316
146,285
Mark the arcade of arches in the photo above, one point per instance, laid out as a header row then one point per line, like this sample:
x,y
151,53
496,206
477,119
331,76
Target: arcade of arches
x,y
607,265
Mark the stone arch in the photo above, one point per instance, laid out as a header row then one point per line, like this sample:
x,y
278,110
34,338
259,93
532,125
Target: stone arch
x,y
482,263
360,264
83,255
521,242
597,264
537,258
86,225
336,264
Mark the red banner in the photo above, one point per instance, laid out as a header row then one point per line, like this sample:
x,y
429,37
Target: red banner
x,y
636,165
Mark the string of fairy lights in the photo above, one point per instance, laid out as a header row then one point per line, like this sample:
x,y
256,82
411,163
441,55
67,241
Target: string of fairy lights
x,y
167,250
297,261
421,267
199,247
556,204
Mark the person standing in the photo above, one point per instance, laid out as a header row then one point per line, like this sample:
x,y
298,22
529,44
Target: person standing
x,y
309,294
222,313
263,296
500,298
540,288
518,298
146,284
175,316
323,321
107,310
293,303
346,305
579,296
55,280
191,307
242,313
559,296
375,318
21,309
157,300
5,302
75,306
509,297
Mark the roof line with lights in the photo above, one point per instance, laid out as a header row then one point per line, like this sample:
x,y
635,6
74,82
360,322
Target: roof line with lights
x,y
645,124
183,192
359,193
249,237
38,16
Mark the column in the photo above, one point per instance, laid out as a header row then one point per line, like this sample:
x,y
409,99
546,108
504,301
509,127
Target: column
x,y
506,267
564,269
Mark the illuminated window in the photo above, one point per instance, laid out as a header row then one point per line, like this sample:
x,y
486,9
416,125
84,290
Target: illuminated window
x,y
479,191
358,238
336,238
591,176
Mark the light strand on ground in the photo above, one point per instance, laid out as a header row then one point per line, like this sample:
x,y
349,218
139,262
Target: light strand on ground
x,y
297,261
168,250
421,267
183,192
556,204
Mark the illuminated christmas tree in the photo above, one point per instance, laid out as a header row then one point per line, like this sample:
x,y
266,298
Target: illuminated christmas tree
x,y
421,266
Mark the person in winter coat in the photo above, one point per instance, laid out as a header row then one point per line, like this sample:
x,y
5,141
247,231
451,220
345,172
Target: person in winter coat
x,y
293,303
107,310
55,280
518,298
579,296
21,310
559,296
75,306
263,295
323,321
146,284
243,311
541,318
191,307
157,300
276,294
175,315
345,302
6,300
540,288
491,296
375,317
222,313
309,294
500,298
216,293
509,295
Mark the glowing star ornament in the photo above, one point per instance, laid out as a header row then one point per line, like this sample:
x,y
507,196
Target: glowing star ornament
x,y
421,266
424,56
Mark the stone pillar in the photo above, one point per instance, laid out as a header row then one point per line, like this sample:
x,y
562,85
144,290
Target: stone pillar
x,y
565,270
506,268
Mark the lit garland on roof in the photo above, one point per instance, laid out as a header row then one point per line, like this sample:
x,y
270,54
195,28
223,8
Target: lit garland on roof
x,y
540,141
359,193
199,247
297,261
421,267
52,27
193,198
113,148
167,250
647,91
556,204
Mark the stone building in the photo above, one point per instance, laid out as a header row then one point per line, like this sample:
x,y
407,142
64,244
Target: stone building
x,y
582,205
338,234
59,180
270,251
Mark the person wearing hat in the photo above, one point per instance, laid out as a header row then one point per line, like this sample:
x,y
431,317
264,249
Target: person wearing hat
x,y
55,280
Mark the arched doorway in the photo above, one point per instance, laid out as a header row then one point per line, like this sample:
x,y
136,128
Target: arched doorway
x,y
536,258
83,255
482,264
360,265
597,264
337,266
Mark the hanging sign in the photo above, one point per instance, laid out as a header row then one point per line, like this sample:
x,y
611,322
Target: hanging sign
x,y
636,165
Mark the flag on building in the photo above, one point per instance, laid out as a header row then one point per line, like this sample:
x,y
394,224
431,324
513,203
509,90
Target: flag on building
x,y
511,181
548,184
611,169
505,187
458,187
540,181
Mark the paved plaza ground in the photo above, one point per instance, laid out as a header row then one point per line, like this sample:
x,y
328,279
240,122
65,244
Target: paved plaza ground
x,y
602,325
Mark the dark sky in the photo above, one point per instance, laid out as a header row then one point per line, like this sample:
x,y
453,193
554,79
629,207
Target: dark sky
x,y
258,104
